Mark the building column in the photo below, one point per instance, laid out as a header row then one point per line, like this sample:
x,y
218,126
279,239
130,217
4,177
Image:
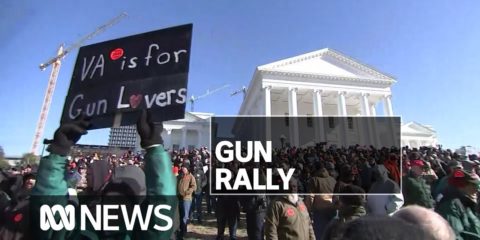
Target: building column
x,y
363,123
319,127
387,104
200,136
365,105
268,102
317,102
373,110
342,112
375,139
292,102
168,139
293,112
184,137
342,107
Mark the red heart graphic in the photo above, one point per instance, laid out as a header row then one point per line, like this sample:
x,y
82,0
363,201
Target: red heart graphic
x,y
116,54
135,100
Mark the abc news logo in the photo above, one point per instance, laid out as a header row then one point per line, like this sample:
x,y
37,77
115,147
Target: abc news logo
x,y
103,217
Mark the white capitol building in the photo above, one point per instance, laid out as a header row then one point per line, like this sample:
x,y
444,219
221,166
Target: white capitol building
x,y
326,83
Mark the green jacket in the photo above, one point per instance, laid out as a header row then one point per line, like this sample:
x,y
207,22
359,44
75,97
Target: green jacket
x,y
417,191
51,189
286,221
441,185
345,214
459,211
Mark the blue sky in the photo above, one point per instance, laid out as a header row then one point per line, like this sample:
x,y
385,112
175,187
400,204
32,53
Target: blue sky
x,y
431,47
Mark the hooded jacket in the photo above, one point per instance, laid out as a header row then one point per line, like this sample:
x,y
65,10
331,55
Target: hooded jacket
x,y
383,204
322,183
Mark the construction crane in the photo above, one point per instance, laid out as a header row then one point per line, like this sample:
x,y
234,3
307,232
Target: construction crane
x,y
207,93
56,63
242,90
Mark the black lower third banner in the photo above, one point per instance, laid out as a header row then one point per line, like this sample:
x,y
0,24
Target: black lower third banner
x,y
305,155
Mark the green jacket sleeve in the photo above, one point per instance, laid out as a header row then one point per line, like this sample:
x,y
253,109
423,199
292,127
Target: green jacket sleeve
x,y
452,213
50,189
51,177
161,190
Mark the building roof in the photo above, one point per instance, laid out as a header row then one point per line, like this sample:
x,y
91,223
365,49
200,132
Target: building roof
x,y
417,129
326,62
325,67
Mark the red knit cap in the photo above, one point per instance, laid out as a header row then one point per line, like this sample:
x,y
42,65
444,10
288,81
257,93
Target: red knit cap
x,y
460,178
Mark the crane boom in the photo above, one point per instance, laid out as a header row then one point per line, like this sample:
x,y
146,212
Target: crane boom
x,y
243,90
56,63
80,42
207,93
47,100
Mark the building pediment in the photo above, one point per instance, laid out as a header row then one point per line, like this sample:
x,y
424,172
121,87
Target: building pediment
x,y
416,129
327,64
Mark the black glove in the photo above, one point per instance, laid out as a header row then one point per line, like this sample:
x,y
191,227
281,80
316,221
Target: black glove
x,y
149,131
67,135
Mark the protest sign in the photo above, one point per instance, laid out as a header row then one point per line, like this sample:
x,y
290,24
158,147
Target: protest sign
x,y
115,79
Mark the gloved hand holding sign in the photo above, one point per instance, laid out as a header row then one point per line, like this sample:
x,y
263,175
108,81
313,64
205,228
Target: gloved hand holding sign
x,y
67,135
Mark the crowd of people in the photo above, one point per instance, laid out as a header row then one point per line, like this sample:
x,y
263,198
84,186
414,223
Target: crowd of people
x,y
356,192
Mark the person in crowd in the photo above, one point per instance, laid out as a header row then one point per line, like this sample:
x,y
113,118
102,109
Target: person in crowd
x,y
201,182
458,205
175,170
321,205
330,166
429,174
72,176
186,186
442,184
27,169
211,200
438,166
228,210
82,184
255,206
415,189
288,218
383,204
345,178
27,186
392,165
350,207
366,172
427,219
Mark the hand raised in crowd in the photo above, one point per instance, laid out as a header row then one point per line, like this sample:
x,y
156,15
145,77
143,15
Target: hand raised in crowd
x,y
148,130
68,134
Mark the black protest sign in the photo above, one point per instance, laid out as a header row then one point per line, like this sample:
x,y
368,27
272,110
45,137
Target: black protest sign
x,y
113,80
